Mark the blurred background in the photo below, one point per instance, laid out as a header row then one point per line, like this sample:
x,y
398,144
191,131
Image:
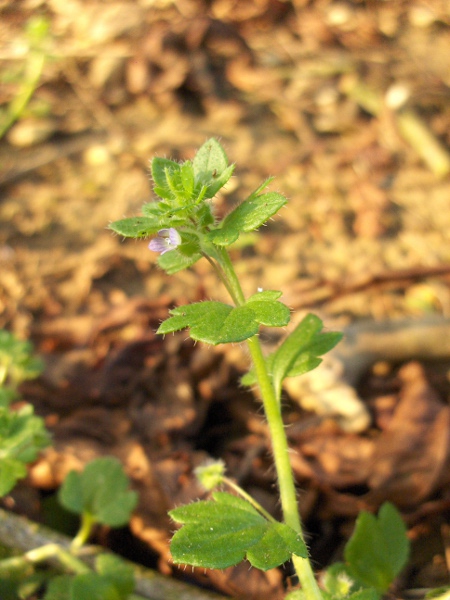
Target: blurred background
x,y
347,104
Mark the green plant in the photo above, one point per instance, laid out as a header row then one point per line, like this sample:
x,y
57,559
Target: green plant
x,y
22,433
222,531
29,74
99,494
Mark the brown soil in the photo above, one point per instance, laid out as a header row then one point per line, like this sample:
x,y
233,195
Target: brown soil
x,y
347,104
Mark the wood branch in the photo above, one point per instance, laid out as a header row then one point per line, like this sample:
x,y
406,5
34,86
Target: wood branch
x,y
19,533
16,163
326,291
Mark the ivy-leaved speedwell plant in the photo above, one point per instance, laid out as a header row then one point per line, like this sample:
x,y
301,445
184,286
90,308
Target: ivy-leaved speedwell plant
x,y
227,528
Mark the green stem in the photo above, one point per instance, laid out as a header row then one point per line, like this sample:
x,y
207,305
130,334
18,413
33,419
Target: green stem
x,y
87,522
40,554
280,447
249,498
219,272
233,286
16,107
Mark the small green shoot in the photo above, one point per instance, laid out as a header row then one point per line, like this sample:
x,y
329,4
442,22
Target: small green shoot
x,y
379,548
17,362
22,434
99,494
374,555
22,437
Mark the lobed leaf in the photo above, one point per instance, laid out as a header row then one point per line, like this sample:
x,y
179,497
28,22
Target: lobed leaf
x,y
270,313
22,436
221,532
16,360
277,545
218,323
11,470
100,490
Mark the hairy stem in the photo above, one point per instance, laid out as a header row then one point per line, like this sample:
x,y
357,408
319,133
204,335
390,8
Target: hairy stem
x,y
247,497
280,447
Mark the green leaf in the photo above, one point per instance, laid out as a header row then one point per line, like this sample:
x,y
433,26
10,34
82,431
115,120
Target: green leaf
x,y
22,436
16,360
116,571
187,178
270,313
248,216
365,594
266,295
136,227
299,351
11,471
211,168
163,171
378,548
174,261
219,533
100,490
277,545
209,322
210,158
7,395
91,586
113,580
218,323
59,588
218,181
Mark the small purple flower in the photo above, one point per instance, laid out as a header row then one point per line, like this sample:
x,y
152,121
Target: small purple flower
x,y
168,239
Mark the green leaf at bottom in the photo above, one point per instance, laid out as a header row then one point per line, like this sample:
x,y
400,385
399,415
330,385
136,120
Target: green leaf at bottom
x,y
379,548
220,533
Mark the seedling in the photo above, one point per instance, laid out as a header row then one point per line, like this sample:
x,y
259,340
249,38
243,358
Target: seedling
x,y
99,494
22,433
224,530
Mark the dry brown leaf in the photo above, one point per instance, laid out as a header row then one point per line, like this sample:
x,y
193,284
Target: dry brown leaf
x,y
409,460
